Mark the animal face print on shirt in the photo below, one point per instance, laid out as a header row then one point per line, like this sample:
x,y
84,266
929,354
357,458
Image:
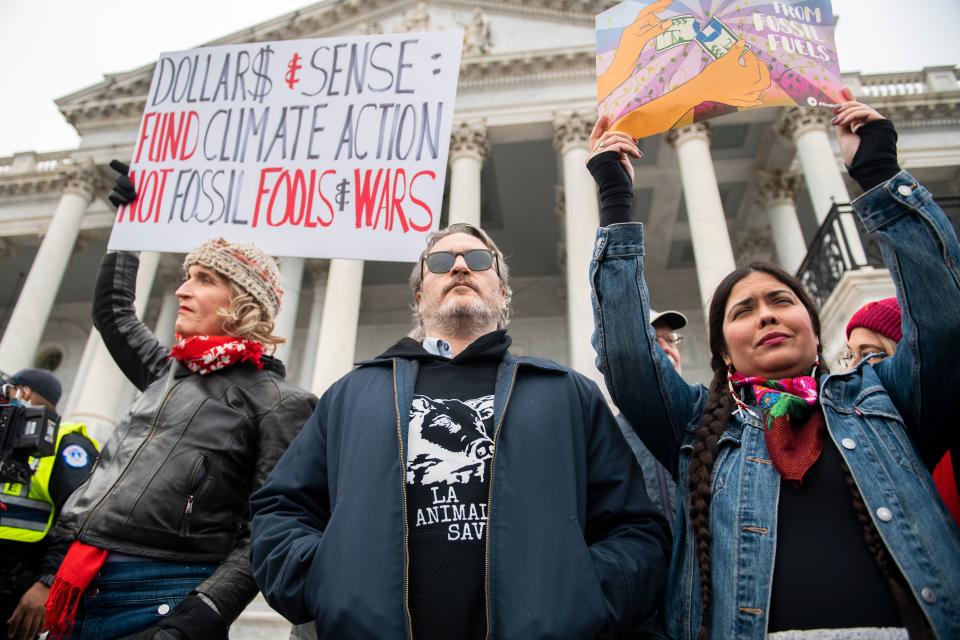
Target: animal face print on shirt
x,y
449,440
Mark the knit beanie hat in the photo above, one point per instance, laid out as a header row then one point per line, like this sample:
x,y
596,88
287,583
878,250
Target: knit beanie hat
x,y
246,265
882,316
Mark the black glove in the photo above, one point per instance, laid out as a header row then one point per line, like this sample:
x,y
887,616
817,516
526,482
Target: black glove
x,y
192,619
614,186
875,161
123,191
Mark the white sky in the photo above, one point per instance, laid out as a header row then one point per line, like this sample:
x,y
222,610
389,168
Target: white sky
x,y
50,48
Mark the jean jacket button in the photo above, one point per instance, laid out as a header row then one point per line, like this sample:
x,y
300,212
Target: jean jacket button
x,y
904,190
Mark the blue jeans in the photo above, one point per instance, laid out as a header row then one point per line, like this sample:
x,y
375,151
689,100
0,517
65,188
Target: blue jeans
x,y
127,597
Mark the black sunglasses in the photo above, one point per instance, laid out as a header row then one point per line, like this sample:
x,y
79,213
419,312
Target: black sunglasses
x,y
443,261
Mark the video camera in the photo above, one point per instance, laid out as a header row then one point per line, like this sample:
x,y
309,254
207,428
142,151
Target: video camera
x,y
26,431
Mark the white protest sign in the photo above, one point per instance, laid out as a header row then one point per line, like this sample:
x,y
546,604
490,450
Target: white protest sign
x,y
325,148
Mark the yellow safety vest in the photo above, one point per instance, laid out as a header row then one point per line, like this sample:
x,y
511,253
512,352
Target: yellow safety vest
x,y
28,515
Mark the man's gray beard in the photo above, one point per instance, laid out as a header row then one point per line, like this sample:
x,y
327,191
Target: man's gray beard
x,y
454,320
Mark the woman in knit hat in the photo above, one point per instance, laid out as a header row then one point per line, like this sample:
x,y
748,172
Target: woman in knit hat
x,y
160,528
873,329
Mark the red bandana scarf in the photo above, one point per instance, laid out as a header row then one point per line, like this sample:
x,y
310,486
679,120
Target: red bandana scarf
x,y
793,420
77,570
206,354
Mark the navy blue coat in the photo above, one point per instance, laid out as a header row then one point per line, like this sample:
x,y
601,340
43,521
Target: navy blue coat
x,y
574,545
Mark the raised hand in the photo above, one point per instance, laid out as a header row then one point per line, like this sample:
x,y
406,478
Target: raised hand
x,y
850,116
602,140
634,38
123,190
737,78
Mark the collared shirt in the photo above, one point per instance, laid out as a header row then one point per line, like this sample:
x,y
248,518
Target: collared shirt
x,y
438,347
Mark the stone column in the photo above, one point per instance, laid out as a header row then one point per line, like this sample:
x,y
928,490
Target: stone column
x,y
337,343
291,276
319,271
22,336
777,192
101,392
708,226
808,130
468,150
581,216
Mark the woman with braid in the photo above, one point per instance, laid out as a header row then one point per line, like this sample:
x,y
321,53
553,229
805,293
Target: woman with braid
x,y
805,506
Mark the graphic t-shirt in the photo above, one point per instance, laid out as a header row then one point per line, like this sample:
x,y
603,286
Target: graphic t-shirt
x,y
449,454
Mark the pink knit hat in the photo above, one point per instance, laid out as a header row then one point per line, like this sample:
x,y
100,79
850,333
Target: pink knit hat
x,y
882,316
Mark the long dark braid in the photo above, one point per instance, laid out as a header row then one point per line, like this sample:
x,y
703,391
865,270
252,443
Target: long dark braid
x,y
716,415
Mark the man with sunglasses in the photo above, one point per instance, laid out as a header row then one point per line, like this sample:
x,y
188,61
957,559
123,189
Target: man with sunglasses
x,y
447,489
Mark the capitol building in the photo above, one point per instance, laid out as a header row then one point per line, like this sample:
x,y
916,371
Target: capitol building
x,y
763,183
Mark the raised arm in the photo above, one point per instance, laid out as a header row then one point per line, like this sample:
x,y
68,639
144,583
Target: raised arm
x,y
132,345
653,397
920,249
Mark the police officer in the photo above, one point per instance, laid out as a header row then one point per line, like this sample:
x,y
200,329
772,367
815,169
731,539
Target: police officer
x,y
29,552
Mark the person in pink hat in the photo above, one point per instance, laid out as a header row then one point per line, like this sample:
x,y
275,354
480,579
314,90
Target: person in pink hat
x,y
874,330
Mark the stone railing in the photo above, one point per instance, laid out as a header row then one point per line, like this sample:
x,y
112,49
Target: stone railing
x,y
31,162
830,256
906,83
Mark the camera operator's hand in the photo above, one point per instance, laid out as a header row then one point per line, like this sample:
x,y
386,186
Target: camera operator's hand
x,y
27,619
123,190
192,619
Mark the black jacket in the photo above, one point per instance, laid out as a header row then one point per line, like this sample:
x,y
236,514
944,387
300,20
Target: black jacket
x,y
174,479
574,546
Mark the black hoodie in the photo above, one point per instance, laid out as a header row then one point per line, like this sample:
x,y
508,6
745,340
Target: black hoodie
x,y
450,446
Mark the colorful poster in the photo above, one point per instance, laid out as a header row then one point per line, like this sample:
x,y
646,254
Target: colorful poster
x,y
669,63
325,148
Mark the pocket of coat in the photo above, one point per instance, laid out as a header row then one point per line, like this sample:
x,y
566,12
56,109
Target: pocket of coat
x,y
197,477
598,601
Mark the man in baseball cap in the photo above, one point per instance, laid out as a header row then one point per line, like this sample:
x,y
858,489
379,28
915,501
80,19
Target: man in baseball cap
x,y
666,324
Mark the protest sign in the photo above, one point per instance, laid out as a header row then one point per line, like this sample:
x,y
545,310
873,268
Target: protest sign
x,y
327,148
663,64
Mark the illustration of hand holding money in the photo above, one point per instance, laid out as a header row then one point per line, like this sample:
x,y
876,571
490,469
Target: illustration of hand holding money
x,y
737,78
666,63
645,28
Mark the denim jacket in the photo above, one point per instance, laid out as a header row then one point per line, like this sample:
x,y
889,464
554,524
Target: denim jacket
x,y
891,422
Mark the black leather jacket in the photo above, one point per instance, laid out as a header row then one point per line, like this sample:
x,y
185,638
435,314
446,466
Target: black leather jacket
x,y
174,479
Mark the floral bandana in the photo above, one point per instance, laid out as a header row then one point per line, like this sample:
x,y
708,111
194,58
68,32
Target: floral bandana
x,y
206,354
794,424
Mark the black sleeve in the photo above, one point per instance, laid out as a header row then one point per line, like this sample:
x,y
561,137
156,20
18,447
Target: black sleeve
x,y
132,345
614,186
875,161
232,586
69,472
56,548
